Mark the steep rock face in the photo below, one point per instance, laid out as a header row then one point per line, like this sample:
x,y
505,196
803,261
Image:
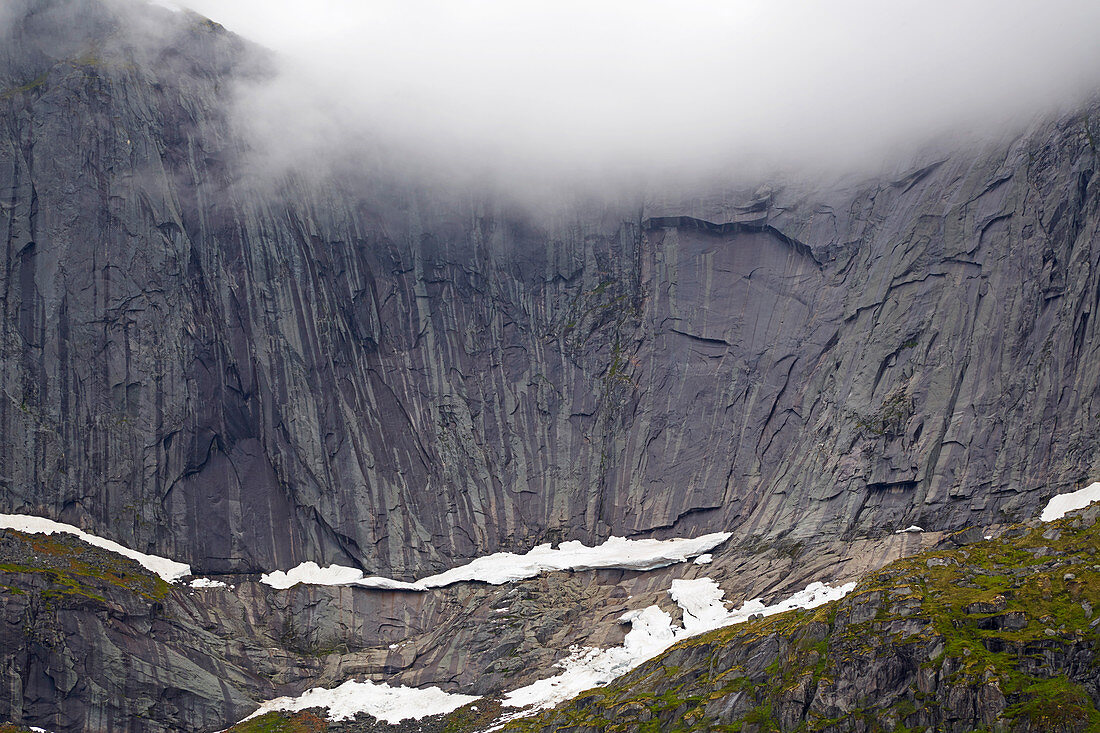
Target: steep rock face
x,y
93,642
394,376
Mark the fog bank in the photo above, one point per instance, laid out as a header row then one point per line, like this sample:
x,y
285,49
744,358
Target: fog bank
x,y
618,88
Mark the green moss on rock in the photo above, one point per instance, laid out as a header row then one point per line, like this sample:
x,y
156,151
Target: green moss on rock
x,y
305,721
996,635
72,569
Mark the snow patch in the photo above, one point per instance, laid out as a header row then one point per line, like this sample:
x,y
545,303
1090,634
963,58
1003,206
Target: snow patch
x,y
704,559
651,633
506,567
910,528
1057,507
207,583
390,704
170,570
310,573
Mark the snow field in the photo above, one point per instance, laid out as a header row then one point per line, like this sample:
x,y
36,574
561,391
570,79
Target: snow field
x,y
651,634
391,704
207,583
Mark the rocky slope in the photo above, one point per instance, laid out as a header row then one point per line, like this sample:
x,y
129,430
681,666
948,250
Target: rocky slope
x,y
996,634
974,635
93,642
394,376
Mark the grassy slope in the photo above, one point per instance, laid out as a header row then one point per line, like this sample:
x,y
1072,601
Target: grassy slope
x,y
72,569
999,634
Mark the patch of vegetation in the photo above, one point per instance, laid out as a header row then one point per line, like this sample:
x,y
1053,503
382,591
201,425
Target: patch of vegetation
x,y
1056,704
980,635
890,419
34,84
73,570
477,715
305,721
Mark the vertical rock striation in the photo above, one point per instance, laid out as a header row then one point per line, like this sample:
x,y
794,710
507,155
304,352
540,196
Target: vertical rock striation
x,y
398,377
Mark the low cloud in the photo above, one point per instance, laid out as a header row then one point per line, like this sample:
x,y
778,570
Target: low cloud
x,y
636,87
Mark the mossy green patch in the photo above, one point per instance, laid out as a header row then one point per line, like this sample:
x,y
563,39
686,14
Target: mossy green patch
x,y
1056,704
474,716
73,569
971,623
280,722
35,83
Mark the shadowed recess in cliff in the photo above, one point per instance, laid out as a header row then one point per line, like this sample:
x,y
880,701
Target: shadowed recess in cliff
x,y
727,228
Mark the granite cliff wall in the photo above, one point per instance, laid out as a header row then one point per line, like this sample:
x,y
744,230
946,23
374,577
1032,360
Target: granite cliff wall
x,y
400,377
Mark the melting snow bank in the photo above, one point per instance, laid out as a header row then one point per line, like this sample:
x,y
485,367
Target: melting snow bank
x,y
651,633
207,583
1057,507
505,567
391,704
170,570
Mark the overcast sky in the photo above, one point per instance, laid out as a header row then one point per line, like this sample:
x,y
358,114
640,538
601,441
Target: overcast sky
x,y
623,84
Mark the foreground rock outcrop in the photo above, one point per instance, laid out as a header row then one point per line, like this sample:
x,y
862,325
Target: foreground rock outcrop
x,y
998,634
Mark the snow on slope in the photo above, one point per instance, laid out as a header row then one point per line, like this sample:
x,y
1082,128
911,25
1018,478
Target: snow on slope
x,y
505,567
170,570
391,704
651,633
1058,506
